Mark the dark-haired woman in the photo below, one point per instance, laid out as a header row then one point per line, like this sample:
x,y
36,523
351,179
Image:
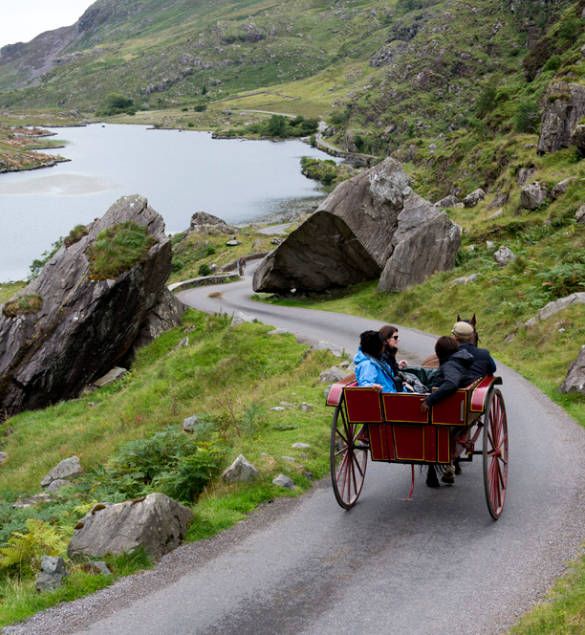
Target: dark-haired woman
x,y
370,368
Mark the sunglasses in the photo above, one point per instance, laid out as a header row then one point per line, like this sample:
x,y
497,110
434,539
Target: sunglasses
x,y
393,337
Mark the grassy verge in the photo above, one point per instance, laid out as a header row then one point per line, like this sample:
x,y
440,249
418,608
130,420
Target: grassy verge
x,y
230,377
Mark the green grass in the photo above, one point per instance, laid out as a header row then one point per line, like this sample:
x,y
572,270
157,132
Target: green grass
x,y
229,376
8,289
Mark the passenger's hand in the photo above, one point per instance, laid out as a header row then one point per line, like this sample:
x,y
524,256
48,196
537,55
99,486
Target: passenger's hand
x,y
377,386
424,406
402,363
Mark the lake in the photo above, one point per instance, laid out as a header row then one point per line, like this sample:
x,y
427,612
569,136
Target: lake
x,y
180,172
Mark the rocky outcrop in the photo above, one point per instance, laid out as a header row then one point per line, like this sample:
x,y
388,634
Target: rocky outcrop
x,y
575,379
533,195
564,108
353,236
556,306
157,523
66,328
473,198
203,222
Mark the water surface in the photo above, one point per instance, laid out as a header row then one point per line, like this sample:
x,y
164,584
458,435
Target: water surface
x,y
179,172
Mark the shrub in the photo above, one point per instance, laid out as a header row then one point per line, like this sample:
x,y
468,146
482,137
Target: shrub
x,y
320,170
563,279
204,270
200,107
527,116
169,461
75,235
117,249
486,101
39,263
22,305
116,104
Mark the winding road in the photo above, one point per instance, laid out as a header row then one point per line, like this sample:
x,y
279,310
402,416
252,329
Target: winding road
x,y
435,565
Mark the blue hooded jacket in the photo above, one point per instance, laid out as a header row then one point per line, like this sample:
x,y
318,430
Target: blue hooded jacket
x,y
369,371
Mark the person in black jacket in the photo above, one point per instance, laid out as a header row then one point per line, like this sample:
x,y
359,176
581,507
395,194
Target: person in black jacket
x,y
483,363
454,372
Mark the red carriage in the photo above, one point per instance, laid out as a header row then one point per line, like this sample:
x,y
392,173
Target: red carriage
x,y
391,427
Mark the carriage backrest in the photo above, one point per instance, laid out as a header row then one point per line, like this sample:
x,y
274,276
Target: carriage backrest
x,y
363,404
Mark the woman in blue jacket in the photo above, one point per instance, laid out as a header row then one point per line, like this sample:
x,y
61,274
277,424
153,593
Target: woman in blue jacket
x,y
370,369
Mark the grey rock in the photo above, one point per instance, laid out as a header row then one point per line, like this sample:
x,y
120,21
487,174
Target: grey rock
x,y
31,501
241,470
473,198
164,315
448,201
278,331
3,457
501,198
555,306
238,317
332,375
157,523
580,215
190,423
301,446
499,212
423,245
97,567
489,245
57,484
289,459
233,243
465,279
578,139
306,407
110,377
66,469
562,186
278,408
51,355
283,481
52,574
504,255
532,196
564,109
575,379
202,222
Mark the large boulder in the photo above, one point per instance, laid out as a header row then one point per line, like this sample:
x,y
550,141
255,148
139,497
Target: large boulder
x,y
563,111
205,223
73,323
423,244
323,253
533,195
157,523
353,236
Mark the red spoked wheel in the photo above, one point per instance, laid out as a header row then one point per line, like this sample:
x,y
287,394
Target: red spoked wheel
x,y
495,454
348,458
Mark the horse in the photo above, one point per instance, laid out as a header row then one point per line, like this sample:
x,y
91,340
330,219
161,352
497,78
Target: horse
x,y
433,362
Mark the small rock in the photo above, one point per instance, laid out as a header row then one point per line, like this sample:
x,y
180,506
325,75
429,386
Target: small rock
x,y
306,407
97,567
580,215
331,375
238,317
532,196
465,279
67,468
473,198
278,332
57,484
233,243
183,343
499,212
289,459
448,201
301,446
241,470
190,423
560,188
277,408
489,244
3,457
504,255
110,377
51,575
283,481
31,501
575,379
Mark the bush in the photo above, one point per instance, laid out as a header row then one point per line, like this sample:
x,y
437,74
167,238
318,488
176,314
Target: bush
x,y
204,270
563,279
117,249
527,116
116,104
22,305
169,461
39,263
75,235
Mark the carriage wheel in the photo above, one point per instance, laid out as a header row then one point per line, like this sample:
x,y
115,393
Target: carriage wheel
x,y
348,461
495,454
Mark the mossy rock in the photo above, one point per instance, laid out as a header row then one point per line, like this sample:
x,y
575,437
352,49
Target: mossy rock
x,y
117,249
75,235
23,305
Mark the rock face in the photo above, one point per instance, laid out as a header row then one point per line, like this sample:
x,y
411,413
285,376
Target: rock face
x,y
353,236
532,196
575,379
564,108
74,329
157,523
208,223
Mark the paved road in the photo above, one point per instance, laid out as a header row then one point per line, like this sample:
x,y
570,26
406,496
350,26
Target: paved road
x,y
435,565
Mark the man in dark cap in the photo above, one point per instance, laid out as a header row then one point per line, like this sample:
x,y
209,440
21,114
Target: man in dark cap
x,y
483,363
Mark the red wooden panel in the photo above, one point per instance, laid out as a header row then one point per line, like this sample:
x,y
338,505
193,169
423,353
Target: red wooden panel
x,y
451,411
404,407
336,390
480,393
443,445
381,442
363,405
409,441
431,444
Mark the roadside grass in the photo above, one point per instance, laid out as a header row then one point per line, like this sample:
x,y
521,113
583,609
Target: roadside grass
x,y
230,377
